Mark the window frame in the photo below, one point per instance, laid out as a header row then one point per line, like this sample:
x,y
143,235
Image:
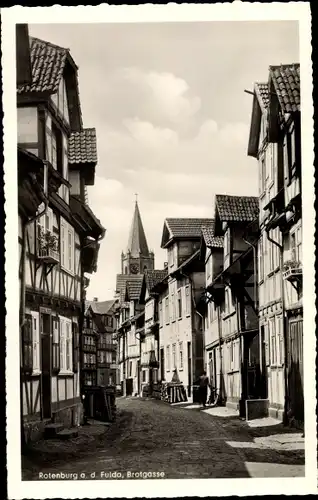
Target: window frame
x,y
179,303
181,356
188,300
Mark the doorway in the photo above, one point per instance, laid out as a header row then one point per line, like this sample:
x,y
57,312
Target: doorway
x,y
45,322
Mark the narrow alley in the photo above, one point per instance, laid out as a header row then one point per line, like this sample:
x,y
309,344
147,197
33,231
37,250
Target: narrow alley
x,y
179,442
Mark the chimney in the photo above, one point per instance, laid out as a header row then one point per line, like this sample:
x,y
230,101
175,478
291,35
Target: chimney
x,y
95,299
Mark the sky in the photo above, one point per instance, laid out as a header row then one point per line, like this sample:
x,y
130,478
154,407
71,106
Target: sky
x,y
172,119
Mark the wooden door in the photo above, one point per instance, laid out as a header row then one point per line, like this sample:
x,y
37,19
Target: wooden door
x,y
295,369
45,320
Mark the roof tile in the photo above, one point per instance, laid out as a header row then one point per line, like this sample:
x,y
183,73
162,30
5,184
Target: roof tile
x,y
286,80
154,277
237,208
82,147
262,92
48,62
209,237
121,281
191,228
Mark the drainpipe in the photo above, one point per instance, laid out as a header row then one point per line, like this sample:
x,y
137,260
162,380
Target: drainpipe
x,y
281,249
22,296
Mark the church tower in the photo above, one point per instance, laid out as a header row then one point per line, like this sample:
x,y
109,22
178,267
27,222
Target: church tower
x,y
137,258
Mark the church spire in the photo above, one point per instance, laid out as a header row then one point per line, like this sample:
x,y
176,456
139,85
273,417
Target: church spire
x,y
137,242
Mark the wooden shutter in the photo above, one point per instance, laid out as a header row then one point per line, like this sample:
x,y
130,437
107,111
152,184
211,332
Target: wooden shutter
x,y
27,358
75,335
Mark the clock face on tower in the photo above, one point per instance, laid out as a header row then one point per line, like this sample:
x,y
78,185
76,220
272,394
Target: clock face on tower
x,y
134,268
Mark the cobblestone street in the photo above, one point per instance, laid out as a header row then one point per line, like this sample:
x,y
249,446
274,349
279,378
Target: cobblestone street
x,y
179,442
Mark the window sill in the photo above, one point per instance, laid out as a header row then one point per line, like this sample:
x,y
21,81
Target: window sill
x,y
65,373
36,373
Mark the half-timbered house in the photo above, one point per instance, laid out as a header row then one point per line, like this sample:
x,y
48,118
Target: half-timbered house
x,y
60,242
275,141
234,295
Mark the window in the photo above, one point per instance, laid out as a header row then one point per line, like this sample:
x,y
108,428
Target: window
x,y
290,153
160,313
67,246
65,345
144,375
271,251
273,345
181,355
227,242
55,344
188,300
167,311
53,154
173,307
89,378
263,174
280,340
27,343
261,258
75,336
168,357
171,256
211,306
179,304
35,342
227,300
296,244
130,369
174,357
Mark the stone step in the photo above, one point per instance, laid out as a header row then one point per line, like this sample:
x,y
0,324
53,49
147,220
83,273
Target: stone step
x,y
51,430
67,433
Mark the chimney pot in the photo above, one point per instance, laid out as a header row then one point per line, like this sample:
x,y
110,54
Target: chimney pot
x,y
95,299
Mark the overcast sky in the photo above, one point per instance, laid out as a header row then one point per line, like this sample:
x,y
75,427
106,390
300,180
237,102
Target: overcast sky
x,y
172,118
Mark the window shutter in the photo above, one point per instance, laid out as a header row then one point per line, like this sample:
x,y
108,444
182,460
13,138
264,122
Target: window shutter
x,y
75,335
27,358
55,343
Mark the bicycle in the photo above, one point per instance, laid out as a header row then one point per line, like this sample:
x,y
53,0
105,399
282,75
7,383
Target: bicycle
x,y
214,397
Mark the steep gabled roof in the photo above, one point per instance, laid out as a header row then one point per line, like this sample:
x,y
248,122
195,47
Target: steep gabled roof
x,y
152,278
209,237
262,92
235,209
121,281
134,287
137,242
179,228
286,82
102,307
48,63
82,147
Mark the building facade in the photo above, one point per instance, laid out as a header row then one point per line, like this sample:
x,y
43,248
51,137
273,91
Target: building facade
x,y
232,303
181,302
52,242
275,142
98,348
149,349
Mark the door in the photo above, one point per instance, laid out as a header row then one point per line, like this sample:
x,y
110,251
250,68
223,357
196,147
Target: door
x,y
295,369
264,385
45,321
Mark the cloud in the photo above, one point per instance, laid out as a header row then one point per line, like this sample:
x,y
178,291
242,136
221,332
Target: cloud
x,y
161,98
